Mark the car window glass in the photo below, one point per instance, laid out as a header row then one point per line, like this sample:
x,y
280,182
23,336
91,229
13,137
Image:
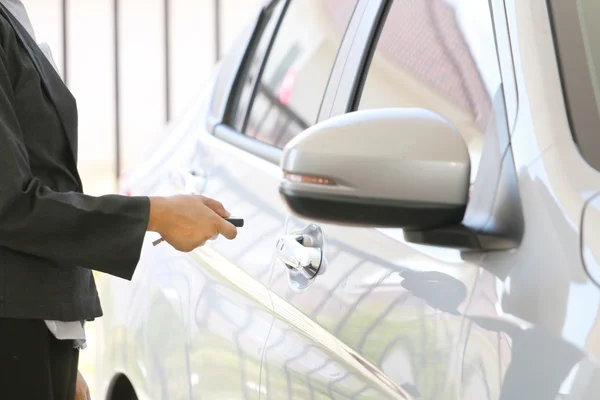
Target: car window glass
x,y
588,9
271,16
577,41
439,55
288,95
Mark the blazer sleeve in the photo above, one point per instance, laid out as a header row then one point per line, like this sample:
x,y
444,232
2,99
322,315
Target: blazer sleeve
x,y
71,229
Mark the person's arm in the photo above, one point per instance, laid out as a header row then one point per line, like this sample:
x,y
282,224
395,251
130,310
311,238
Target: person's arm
x,y
73,229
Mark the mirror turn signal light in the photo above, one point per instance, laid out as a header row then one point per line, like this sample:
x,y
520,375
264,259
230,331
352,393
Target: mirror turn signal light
x,y
315,180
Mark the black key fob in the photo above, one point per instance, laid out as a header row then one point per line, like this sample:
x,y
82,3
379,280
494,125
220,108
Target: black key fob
x,y
235,221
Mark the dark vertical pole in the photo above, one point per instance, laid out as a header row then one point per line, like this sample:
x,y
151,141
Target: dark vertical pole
x,y
65,35
217,7
167,39
117,46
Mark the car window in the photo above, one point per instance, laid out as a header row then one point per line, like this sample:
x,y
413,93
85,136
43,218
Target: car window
x,y
439,55
577,38
293,77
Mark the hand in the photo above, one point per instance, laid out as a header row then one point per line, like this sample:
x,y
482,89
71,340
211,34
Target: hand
x,y
82,392
189,221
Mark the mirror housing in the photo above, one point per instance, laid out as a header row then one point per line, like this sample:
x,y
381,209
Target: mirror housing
x,y
401,167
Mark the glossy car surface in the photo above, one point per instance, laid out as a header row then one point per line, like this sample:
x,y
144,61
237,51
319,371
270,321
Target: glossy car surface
x,y
388,318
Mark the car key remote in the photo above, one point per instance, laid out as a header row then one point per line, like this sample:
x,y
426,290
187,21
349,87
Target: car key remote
x,y
235,221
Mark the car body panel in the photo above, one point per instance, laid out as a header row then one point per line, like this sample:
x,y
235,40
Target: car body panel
x,y
387,318
542,285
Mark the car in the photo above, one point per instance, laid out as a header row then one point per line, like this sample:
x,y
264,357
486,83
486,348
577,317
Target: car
x,y
420,185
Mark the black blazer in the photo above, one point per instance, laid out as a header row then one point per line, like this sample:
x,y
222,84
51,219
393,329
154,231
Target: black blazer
x,y
51,234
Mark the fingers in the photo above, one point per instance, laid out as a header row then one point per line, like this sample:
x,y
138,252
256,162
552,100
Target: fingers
x,y
227,229
201,220
217,207
223,227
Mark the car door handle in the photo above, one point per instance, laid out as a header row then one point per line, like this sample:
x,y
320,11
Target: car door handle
x,y
189,181
297,257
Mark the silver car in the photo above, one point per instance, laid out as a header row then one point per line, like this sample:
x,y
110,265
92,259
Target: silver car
x,y
420,186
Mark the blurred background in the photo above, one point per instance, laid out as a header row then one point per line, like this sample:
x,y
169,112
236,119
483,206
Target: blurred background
x,y
133,65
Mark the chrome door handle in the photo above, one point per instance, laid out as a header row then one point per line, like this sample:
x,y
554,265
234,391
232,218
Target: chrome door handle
x,y
302,253
188,181
293,253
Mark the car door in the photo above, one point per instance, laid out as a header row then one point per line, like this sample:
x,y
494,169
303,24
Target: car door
x,y
252,116
189,325
301,50
386,318
219,291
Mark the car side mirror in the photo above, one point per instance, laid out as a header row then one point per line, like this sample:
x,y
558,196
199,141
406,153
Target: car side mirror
x,y
400,167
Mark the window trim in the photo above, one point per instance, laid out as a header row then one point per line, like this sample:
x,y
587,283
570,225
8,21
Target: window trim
x,y
223,83
581,103
367,56
262,150
342,59
237,86
263,64
506,61
359,57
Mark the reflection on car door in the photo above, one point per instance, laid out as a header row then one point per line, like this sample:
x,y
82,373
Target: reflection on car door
x,y
204,317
